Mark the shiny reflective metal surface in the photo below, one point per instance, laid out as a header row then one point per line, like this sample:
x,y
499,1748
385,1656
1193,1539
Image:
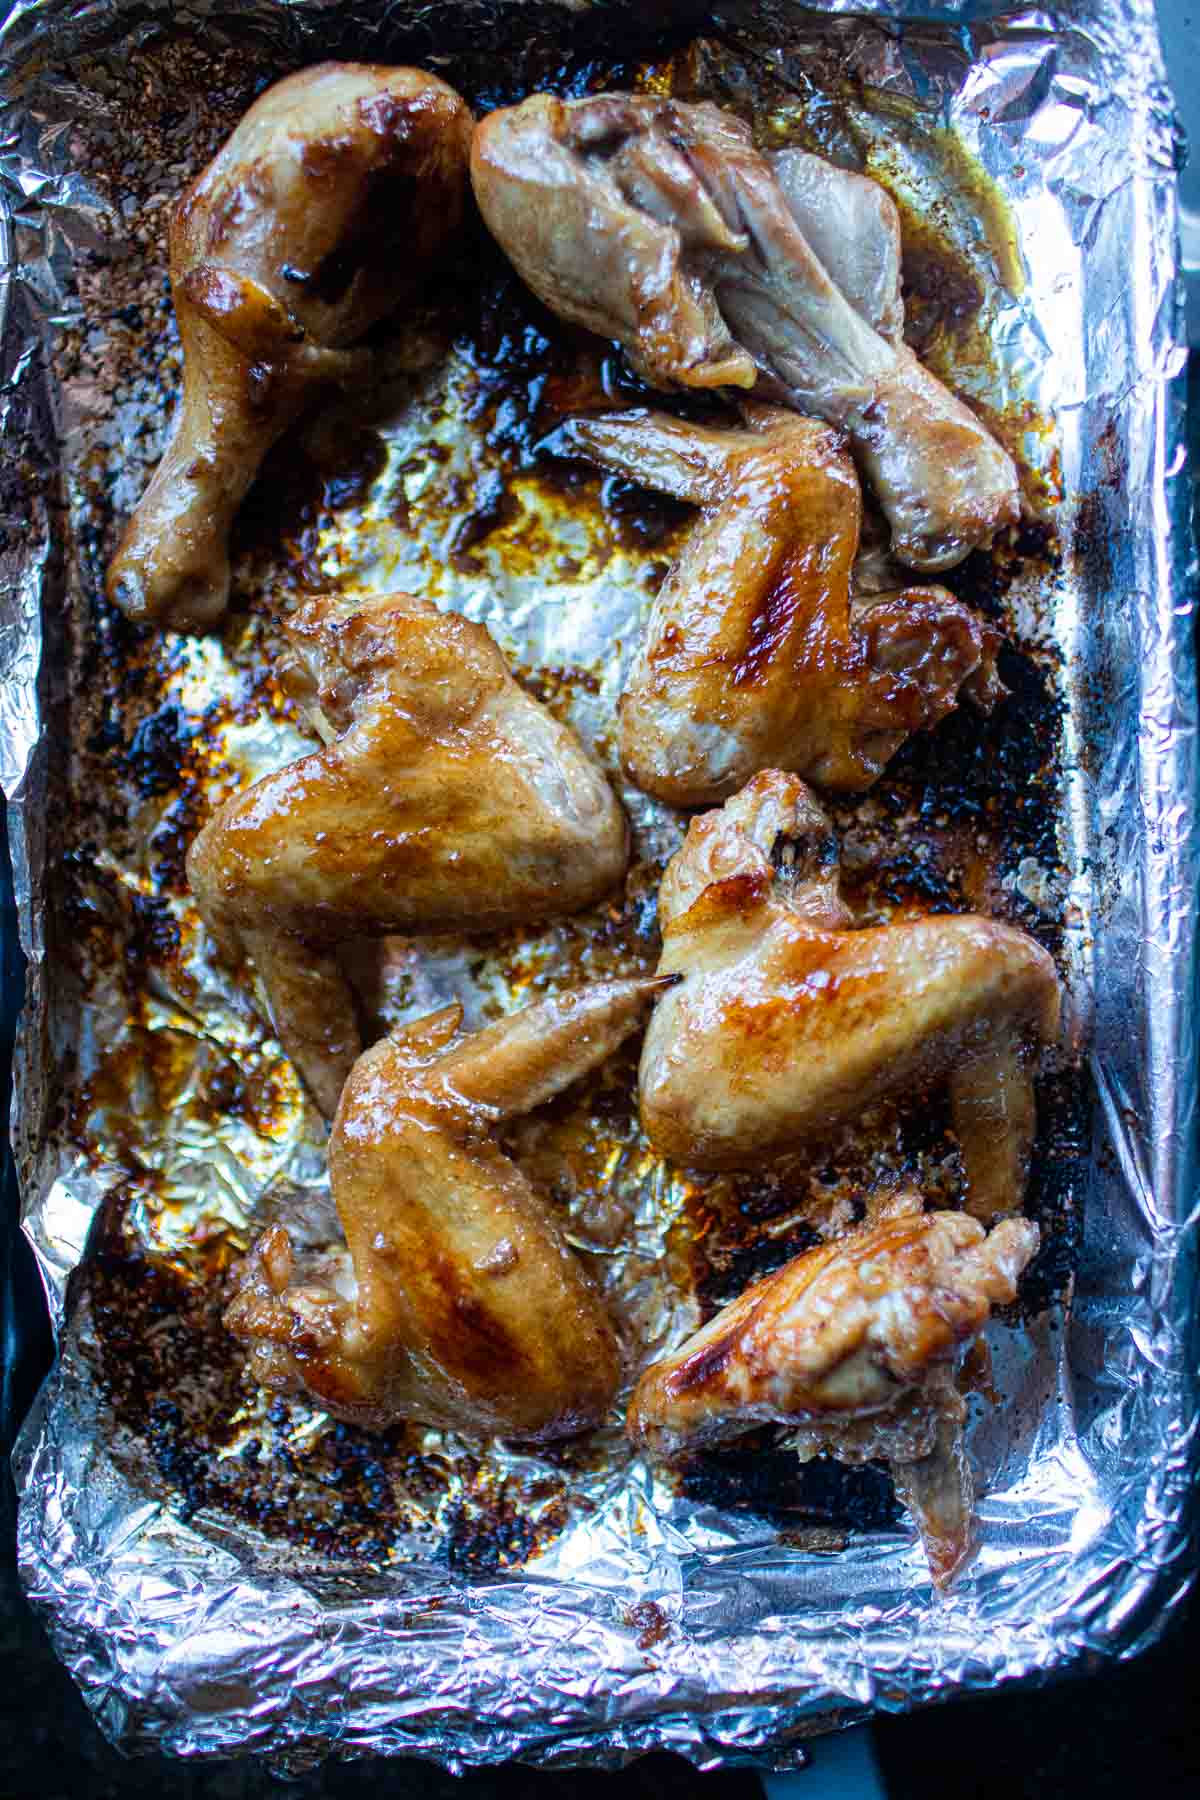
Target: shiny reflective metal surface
x,y
202,1636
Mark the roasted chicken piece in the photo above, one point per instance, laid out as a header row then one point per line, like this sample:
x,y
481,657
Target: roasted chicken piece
x,y
854,1344
658,223
465,1308
753,657
322,213
788,1023
852,227
448,799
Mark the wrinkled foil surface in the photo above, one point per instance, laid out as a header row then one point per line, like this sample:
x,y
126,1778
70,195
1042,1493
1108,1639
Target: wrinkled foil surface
x,y
622,1612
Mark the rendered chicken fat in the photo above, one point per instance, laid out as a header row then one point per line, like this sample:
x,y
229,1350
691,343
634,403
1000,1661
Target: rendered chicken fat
x,y
322,213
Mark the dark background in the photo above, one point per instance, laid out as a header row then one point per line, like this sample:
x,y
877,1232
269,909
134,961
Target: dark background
x,y
1113,1732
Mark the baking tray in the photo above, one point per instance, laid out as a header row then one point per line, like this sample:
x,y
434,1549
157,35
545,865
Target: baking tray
x,y
733,1617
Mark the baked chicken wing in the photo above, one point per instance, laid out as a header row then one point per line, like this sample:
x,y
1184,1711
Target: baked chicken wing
x,y
465,1308
322,213
659,224
854,1344
852,227
787,1023
448,799
753,656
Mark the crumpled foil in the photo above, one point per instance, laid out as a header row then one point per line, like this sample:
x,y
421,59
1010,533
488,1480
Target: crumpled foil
x,y
156,1121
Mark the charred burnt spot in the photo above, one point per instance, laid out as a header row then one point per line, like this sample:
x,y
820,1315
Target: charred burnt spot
x,y
172,837
556,687
362,462
81,918
108,736
744,1226
175,1381
1058,1177
908,877
924,1130
488,1531
179,1459
228,1093
244,1086
492,506
650,1623
624,933
641,905
159,748
530,49
998,773
367,1468
533,371
728,1274
155,1332
153,931
764,1478
543,67
530,371
352,1499
622,388
985,577
283,509
640,518
118,657
739,1247
177,1386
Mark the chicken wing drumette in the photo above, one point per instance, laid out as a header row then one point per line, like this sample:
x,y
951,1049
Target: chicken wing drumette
x,y
854,1344
658,223
463,1306
322,213
754,656
447,799
852,227
787,1023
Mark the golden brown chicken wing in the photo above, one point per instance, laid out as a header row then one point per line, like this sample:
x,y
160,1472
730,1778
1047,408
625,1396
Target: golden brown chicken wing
x,y
322,213
855,1344
753,657
788,1023
448,798
465,1308
658,223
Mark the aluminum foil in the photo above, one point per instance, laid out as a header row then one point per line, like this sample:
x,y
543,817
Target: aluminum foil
x,y
222,1574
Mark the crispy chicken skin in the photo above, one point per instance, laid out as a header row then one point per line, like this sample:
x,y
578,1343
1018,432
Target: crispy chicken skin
x,y
855,1342
658,223
448,799
322,213
753,658
788,1023
613,227
466,1309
